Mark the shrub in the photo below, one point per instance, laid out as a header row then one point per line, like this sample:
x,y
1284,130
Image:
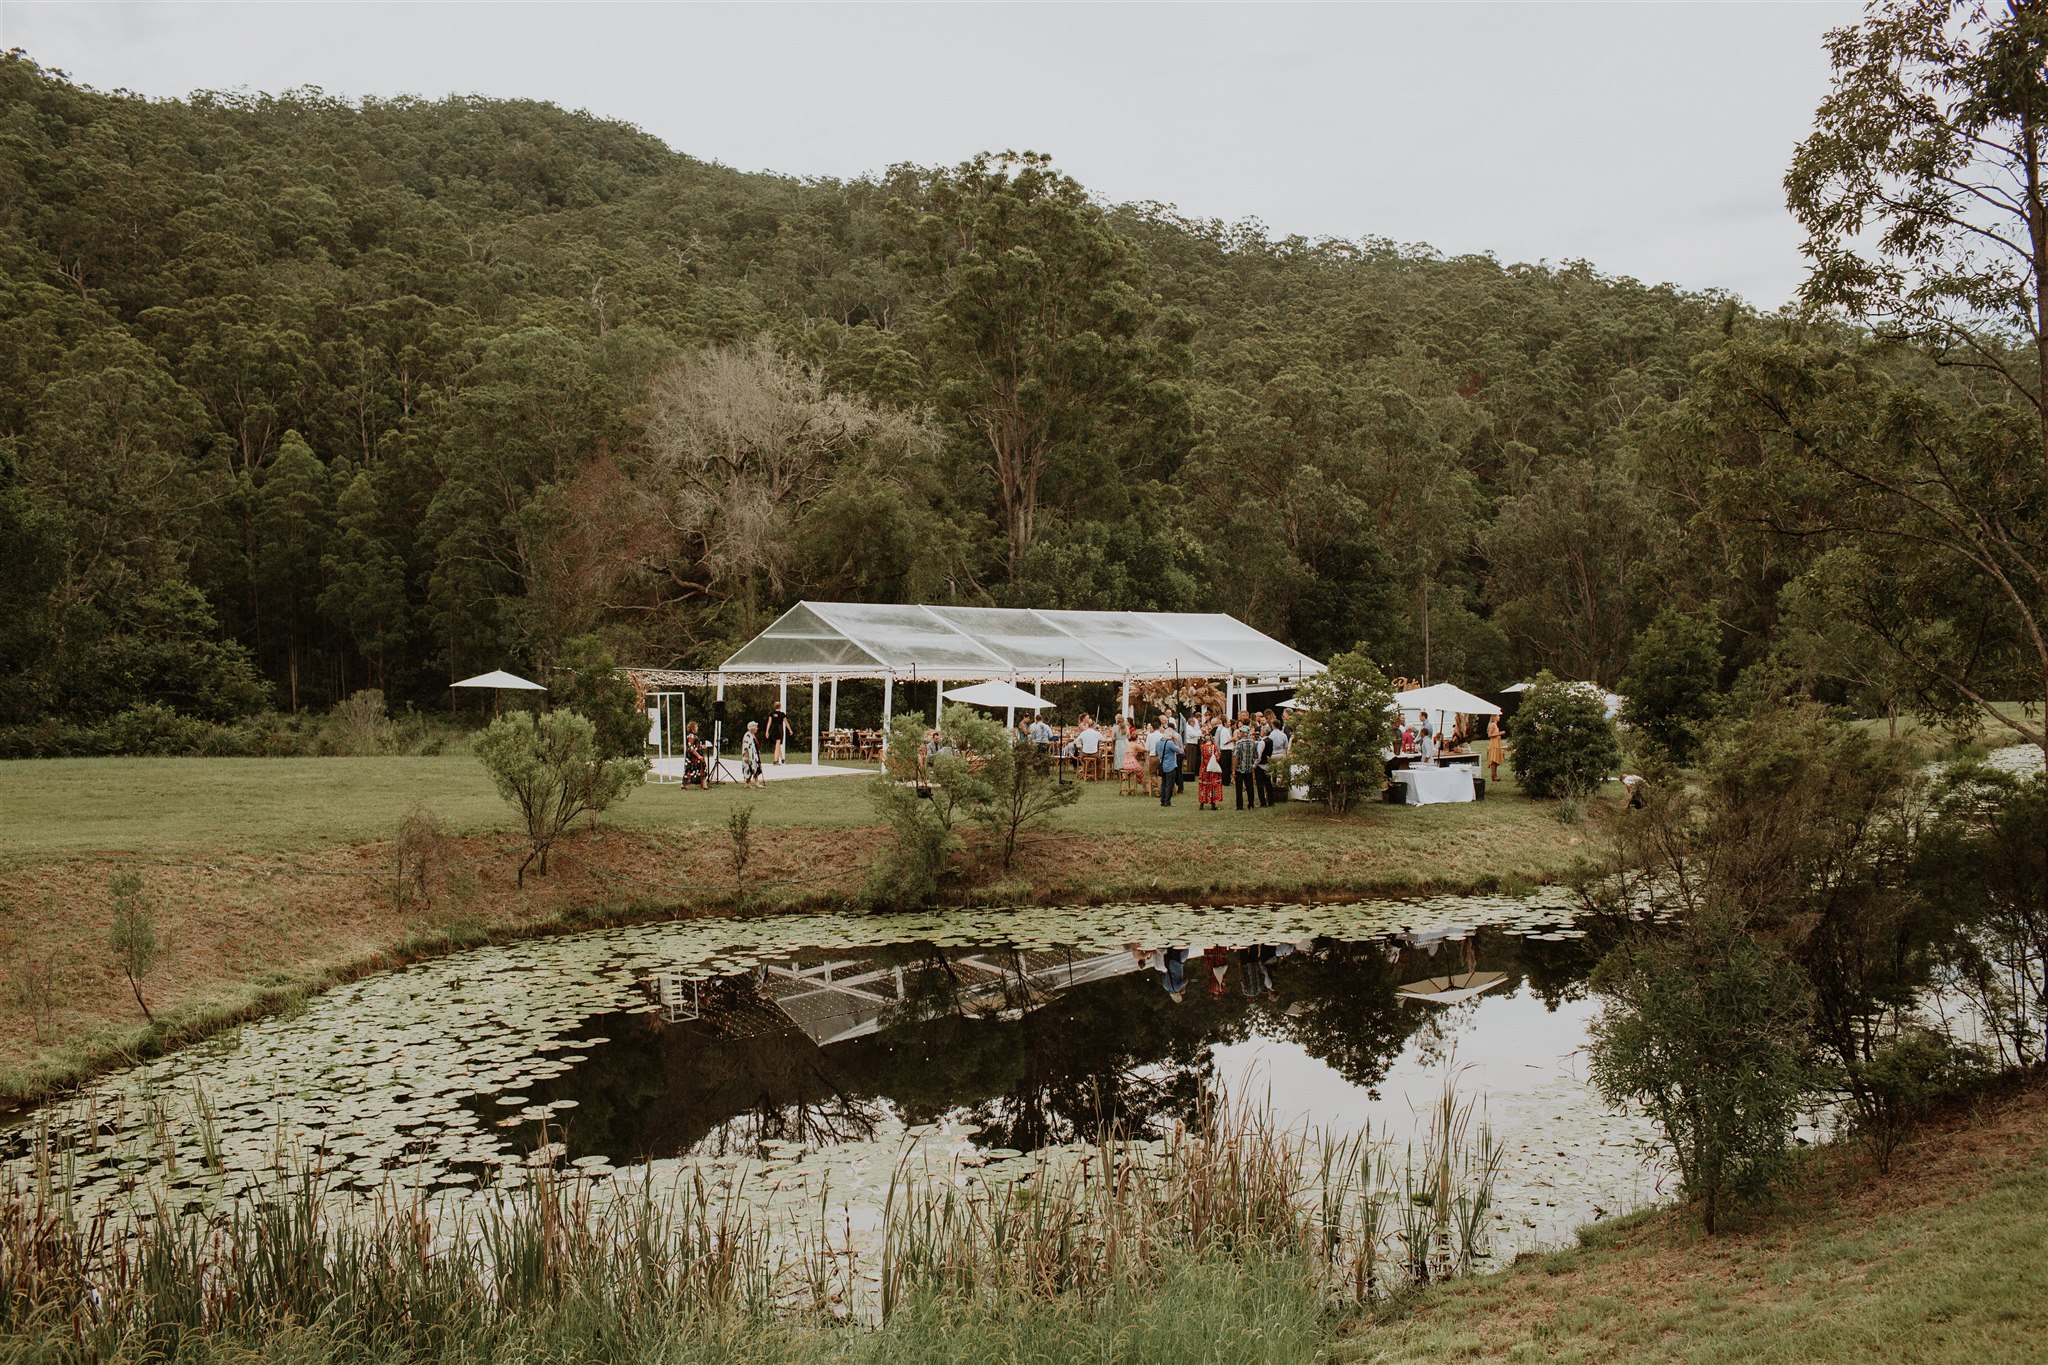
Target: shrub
x,y
358,727
1343,724
420,849
1905,1080
549,767
1564,742
1671,681
1704,1030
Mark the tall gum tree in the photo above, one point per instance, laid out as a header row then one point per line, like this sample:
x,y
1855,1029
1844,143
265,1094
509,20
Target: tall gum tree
x,y
1921,194
1042,337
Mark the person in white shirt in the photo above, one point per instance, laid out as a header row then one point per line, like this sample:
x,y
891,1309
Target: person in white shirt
x,y
1226,750
1090,738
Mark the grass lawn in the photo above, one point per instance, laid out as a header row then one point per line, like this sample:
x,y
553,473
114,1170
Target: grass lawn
x,y
274,876
1939,1261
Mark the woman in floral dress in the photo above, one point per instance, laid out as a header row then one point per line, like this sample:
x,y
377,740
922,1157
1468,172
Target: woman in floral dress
x,y
1209,791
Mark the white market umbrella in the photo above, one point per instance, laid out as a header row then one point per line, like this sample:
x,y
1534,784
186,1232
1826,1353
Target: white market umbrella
x,y
500,680
1454,989
1445,699
1000,694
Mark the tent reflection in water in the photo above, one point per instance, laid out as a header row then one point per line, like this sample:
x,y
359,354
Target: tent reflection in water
x,y
1454,989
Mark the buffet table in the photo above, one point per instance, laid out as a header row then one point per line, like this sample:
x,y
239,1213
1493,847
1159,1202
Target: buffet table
x,y
1427,786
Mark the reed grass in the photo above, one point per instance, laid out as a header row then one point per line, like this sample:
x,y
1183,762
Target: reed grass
x,y
610,1270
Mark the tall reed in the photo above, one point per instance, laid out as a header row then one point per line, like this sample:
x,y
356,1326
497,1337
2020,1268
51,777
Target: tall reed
x,y
621,1259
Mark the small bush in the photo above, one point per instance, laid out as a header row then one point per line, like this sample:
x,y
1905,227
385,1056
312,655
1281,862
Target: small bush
x,y
359,727
1906,1080
1564,742
420,849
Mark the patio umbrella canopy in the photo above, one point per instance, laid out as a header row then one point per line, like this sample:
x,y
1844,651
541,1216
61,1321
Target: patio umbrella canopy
x,y
1445,699
1454,989
500,680
999,694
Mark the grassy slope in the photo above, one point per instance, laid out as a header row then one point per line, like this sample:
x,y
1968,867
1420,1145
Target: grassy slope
x,y
1939,1261
272,876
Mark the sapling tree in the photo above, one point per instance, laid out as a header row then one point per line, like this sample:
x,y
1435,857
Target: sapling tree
x,y
1704,1030
549,768
1344,721
132,937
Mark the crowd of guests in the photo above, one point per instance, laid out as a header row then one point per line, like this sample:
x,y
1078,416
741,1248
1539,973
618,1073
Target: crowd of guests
x,y
1246,756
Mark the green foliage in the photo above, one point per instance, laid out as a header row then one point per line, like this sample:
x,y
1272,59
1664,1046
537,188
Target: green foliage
x,y
1985,856
1704,1030
1671,682
1022,792
1564,744
980,776
132,937
1906,1079
585,680
387,393
1344,723
359,727
548,766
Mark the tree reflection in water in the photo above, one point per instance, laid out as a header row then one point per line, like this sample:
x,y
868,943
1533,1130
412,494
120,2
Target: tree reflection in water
x,y
1037,1047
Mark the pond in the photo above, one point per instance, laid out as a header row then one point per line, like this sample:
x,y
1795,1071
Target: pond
x,y
809,1057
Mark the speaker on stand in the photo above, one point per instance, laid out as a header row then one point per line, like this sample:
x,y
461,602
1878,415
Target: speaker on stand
x,y
717,772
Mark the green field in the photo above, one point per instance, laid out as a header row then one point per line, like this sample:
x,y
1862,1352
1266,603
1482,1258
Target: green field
x,y
273,805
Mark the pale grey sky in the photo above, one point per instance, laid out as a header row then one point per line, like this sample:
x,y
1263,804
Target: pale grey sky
x,y
1647,138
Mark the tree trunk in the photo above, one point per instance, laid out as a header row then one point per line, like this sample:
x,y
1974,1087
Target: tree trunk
x,y
136,986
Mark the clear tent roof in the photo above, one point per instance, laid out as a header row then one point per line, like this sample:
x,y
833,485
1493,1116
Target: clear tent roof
x,y
869,639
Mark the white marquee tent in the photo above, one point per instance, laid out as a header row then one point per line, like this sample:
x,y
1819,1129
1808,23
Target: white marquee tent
x,y
823,642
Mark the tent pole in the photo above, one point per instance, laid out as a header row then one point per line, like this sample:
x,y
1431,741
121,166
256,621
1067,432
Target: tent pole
x,y
938,702
1010,714
782,692
888,700
833,723
814,720
1124,711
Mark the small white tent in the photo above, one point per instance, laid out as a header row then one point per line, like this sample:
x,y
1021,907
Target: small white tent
x,y
1002,694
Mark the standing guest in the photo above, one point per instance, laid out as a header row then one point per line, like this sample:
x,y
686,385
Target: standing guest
x,y
1040,731
1152,734
1427,744
1246,761
1209,791
1262,774
750,754
778,730
1282,760
1169,765
1496,752
1226,747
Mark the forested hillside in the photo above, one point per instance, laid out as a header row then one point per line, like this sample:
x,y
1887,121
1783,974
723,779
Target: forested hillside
x,y
299,396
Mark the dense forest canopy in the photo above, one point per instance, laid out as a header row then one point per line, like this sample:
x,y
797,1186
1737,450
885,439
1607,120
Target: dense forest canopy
x,y
300,396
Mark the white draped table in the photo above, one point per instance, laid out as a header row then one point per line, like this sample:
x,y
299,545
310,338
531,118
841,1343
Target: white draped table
x,y
1428,786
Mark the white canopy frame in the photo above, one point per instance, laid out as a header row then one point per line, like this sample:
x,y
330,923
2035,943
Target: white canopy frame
x,y
830,641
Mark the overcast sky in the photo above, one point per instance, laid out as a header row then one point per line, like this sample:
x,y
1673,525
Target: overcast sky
x,y
1647,138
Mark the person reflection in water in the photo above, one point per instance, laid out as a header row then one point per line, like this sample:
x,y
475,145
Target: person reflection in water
x,y
1253,971
1173,962
1217,960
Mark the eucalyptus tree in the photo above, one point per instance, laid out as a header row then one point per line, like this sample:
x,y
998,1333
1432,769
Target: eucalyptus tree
x,y
1921,191
1043,341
